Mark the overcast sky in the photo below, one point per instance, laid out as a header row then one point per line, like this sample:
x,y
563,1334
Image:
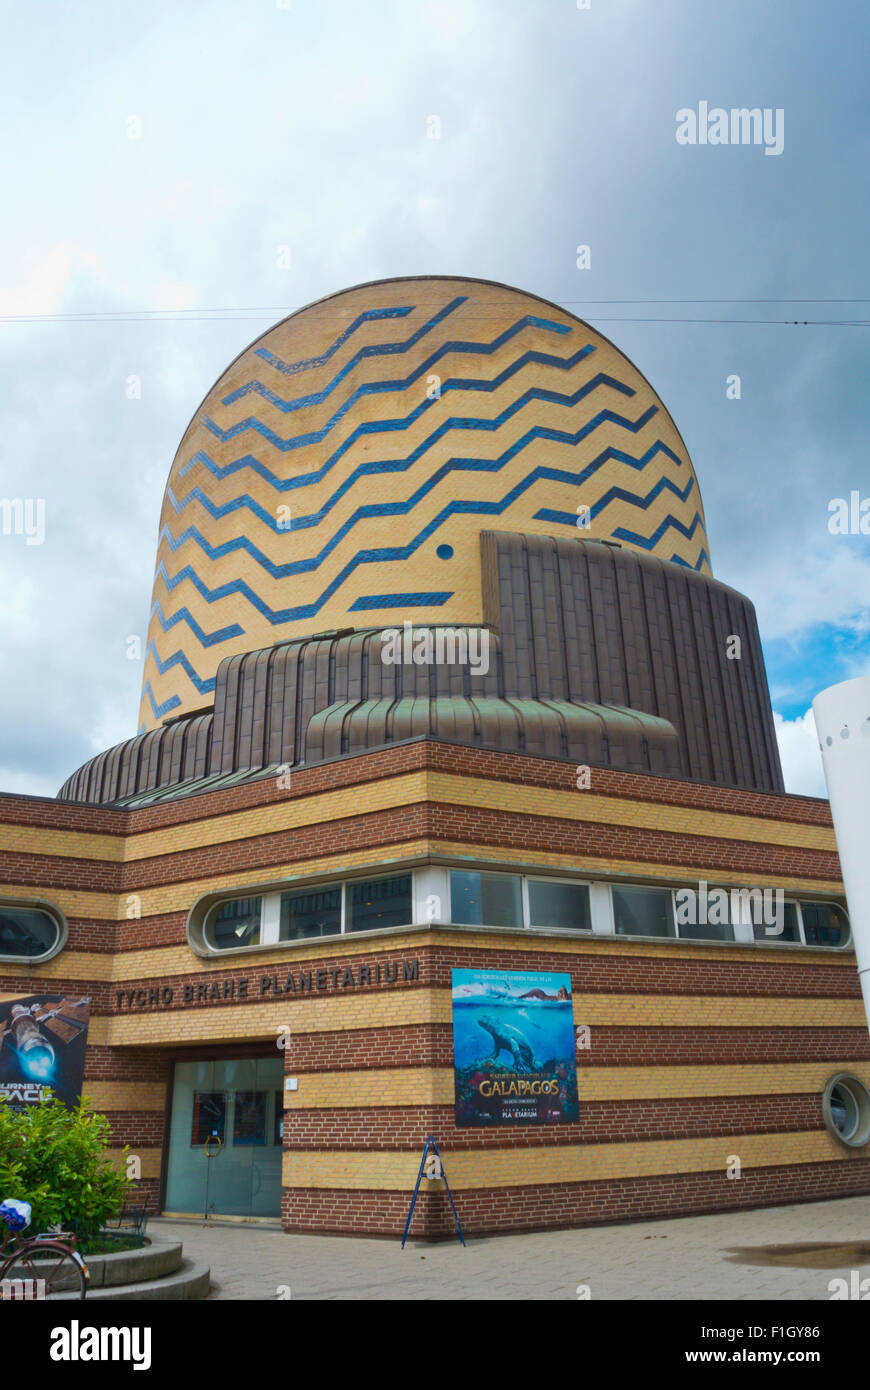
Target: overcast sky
x,y
157,157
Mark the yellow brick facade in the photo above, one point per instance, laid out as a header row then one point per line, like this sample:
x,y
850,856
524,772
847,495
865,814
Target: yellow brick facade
x,y
509,369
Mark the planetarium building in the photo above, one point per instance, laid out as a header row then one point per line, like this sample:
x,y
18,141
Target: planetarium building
x,y
455,809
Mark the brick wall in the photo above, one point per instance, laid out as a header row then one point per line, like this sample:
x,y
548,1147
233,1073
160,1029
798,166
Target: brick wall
x,y
694,1047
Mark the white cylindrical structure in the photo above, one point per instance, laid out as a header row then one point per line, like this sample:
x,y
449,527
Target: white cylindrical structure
x,y
842,715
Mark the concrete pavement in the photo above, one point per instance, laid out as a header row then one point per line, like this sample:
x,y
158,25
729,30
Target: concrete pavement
x,y
686,1258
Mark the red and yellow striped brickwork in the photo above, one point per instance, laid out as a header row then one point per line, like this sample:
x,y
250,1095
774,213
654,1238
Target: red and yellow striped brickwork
x,y
698,1051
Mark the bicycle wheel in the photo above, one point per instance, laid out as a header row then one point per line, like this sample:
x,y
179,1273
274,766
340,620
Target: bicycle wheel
x,y
42,1269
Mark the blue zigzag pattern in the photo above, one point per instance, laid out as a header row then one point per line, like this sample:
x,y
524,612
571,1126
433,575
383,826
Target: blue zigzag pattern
x,y
650,542
403,508
159,710
370,388
364,603
614,494
370,316
703,556
301,441
374,349
275,617
179,658
381,466
388,466
437,599
206,639
367,601
646,542
371,350
220,471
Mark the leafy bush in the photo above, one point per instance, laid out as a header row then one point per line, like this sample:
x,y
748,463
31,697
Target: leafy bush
x,y
56,1159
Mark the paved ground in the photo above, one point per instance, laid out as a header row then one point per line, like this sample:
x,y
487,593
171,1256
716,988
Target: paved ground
x,y
681,1259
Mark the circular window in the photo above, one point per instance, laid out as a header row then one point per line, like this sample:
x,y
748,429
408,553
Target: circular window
x,y
846,1107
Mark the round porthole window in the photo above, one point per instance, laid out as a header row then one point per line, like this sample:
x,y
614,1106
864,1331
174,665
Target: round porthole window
x,y
846,1107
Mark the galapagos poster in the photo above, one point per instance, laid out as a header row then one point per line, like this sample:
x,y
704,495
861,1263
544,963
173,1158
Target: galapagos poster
x,y
513,1048
42,1048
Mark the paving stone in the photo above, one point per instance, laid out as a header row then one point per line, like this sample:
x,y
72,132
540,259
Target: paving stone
x,y
674,1259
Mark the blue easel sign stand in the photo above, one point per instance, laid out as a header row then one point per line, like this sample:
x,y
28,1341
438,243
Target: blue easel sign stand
x,y
430,1142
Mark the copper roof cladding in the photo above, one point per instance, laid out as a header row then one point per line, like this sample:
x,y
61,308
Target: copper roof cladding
x,y
599,655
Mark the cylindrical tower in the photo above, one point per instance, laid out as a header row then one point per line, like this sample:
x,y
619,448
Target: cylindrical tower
x,y
842,715
341,470
454,454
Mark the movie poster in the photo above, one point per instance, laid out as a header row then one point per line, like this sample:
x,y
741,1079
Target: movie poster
x,y
42,1048
513,1048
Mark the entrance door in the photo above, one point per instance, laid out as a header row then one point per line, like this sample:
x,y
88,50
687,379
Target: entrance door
x,y
225,1138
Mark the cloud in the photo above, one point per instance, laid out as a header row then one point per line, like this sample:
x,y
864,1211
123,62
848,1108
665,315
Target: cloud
x,y
800,754
306,126
829,585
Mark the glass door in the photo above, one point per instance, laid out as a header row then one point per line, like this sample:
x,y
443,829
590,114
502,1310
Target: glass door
x,y
226,1138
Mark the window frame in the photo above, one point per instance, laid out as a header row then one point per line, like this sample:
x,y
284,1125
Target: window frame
x,y
644,936
860,1094
210,917
600,890
823,902
529,925
371,931
777,941
270,894
705,940
489,873
50,910
340,884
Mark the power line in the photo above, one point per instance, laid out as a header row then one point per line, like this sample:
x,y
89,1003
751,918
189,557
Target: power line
x,y
144,316
593,318
264,313
150,317
789,323
292,308
714,301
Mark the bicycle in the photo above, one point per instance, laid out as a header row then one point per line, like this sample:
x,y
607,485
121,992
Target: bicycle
x,y
38,1266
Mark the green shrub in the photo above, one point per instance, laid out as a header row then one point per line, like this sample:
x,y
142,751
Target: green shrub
x,y
56,1159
